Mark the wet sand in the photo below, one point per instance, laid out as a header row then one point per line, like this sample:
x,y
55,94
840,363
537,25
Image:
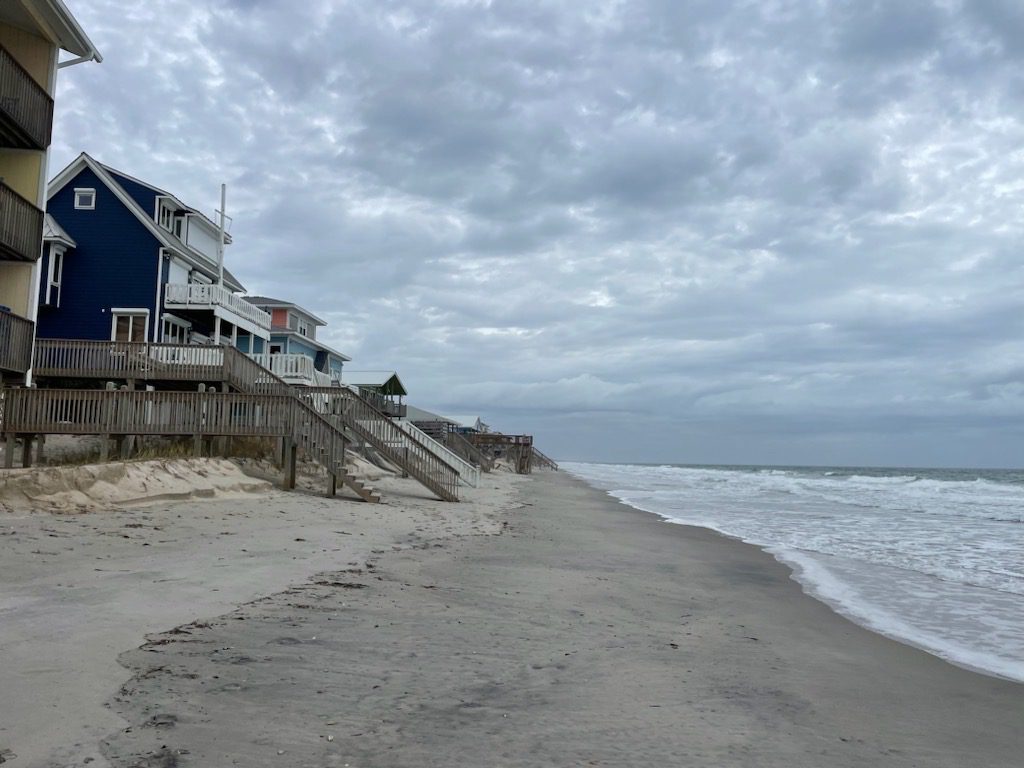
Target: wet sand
x,y
586,633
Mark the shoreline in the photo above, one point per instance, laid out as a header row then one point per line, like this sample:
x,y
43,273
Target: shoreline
x,y
812,588
811,571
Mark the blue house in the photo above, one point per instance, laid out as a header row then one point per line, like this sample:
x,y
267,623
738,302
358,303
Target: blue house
x,y
126,261
293,351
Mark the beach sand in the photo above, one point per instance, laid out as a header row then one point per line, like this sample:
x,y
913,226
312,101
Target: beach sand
x,y
586,633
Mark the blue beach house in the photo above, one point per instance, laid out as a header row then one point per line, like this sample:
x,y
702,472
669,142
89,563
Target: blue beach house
x,y
127,261
293,352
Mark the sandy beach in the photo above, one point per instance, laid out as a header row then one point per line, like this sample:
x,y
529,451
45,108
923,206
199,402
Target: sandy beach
x,y
540,624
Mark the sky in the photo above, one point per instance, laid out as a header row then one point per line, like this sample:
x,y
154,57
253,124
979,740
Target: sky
x,y
700,231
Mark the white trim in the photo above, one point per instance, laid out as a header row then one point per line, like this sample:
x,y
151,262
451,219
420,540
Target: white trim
x,y
51,273
161,255
85,191
116,312
185,325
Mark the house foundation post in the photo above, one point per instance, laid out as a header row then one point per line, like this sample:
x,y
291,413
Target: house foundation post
x,y
40,448
288,473
9,451
26,451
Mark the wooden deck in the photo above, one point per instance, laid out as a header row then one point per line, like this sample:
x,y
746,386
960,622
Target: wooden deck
x,y
518,449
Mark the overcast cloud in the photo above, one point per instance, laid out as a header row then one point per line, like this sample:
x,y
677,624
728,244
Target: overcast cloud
x,y
782,231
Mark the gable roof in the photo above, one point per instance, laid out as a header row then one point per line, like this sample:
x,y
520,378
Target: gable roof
x,y
168,239
421,414
53,232
265,302
386,382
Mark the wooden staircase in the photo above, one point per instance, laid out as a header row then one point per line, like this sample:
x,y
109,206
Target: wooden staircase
x,y
361,490
345,410
541,460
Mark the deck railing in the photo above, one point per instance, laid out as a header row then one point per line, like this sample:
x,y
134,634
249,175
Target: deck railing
x,y
26,109
295,369
21,226
127,360
200,296
15,343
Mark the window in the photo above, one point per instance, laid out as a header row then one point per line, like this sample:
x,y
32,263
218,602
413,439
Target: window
x,y
56,272
85,199
166,217
275,349
129,325
178,223
293,321
303,328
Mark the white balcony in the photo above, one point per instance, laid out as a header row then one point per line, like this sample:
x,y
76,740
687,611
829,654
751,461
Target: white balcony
x,y
222,302
295,369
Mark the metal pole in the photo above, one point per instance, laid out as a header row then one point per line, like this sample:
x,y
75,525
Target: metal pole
x,y
220,240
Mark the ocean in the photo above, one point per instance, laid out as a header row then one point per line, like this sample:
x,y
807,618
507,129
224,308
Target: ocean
x,y
931,557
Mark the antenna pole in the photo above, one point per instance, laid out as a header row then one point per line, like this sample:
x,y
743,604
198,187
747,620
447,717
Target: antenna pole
x,y
220,240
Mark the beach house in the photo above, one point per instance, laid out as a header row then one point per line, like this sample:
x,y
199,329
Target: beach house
x,y
127,261
293,351
32,35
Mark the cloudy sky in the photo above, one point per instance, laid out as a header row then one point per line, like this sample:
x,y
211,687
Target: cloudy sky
x,y
762,231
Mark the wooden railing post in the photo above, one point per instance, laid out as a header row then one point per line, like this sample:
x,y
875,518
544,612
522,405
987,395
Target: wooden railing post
x,y
197,439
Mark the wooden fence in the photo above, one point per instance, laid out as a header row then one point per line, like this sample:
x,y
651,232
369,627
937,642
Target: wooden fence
x,y
123,412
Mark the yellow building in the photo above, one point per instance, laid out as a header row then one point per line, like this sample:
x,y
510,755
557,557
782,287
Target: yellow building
x,y
32,35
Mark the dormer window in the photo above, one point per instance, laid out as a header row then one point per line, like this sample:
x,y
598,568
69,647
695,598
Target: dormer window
x,y
167,217
85,199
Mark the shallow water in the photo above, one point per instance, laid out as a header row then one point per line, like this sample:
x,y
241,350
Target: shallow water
x,y
931,557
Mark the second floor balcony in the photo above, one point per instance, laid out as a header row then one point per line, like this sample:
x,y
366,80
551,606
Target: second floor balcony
x,y
295,369
15,343
21,227
26,109
221,302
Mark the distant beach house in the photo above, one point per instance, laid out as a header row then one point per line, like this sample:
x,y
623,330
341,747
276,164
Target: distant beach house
x,y
32,35
293,351
382,388
127,261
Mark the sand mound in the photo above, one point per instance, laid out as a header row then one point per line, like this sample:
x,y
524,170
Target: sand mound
x,y
94,486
